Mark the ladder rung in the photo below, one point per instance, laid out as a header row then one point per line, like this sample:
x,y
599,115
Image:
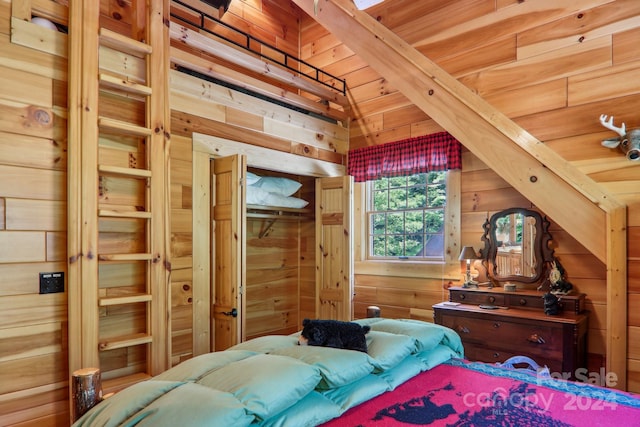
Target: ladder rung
x,y
123,43
119,83
125,257
121,127
130,172
124,214
130,299
121,342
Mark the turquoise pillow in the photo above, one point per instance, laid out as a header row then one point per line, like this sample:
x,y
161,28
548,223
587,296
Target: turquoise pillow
x,y
337,366
266,384
434,357
358,392
196,367
118,408
427,335
167,403
403,371
267,343
387,350
312,410
193,405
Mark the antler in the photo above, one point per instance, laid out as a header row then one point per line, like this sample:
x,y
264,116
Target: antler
x,y
609,125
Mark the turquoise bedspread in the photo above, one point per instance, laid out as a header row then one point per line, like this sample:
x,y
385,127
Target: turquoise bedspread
x,y
272,381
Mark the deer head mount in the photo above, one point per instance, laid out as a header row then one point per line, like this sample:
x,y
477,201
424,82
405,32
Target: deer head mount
x,y
628,141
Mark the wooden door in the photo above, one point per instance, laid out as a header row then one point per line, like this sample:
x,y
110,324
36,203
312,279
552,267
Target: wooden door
x,y
334,255
228,247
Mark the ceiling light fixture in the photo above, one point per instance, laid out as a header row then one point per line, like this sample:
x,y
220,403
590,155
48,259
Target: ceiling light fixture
x,y
365,4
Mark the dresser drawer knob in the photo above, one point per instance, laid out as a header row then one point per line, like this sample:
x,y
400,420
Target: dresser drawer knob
x,y
496,325
492,299
523,301
536,339
462,296
463,329
496,355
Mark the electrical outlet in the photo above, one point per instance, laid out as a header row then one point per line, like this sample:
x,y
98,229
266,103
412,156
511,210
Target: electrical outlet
x,y
51,282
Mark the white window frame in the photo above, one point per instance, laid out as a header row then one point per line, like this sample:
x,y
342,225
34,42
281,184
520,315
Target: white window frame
x,y
449,269
370,190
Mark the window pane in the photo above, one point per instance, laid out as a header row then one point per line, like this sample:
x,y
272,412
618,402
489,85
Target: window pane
x,y
417,179
416,198
434,221
437,195
433,246
414,244
378,223
379,246
381,184
413,222
380,200
398,181
395,246
395,223
398,199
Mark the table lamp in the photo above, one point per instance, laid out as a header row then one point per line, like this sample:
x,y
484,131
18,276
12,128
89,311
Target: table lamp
x,y
467,254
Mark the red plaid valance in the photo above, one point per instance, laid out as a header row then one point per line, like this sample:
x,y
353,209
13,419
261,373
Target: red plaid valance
x,y
428,153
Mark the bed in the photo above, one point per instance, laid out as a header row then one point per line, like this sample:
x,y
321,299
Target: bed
x,y
413,372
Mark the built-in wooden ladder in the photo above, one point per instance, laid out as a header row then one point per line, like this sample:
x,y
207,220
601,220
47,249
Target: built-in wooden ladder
x,y
119,271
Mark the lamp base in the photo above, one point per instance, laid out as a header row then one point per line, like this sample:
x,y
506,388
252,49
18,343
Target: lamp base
x,y
470,284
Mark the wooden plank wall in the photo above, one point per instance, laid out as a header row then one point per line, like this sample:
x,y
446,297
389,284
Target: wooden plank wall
x,y
280,264
33,101
33,224
278,273
553,67
553,71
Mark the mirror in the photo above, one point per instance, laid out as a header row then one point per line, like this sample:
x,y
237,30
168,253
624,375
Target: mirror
x,y
516,245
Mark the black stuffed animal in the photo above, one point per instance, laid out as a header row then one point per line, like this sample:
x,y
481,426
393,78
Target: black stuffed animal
x,y
551,304
334,333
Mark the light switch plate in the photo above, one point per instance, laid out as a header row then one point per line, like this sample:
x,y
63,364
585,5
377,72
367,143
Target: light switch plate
x,y
51,282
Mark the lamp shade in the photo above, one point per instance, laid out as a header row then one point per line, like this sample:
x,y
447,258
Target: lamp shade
x,y
467,252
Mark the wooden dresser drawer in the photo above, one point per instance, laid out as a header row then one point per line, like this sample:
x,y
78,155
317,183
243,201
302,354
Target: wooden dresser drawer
x,y
517,299
532,338
484,354
477,298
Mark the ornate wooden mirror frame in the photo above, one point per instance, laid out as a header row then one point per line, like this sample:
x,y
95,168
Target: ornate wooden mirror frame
x,y
529,256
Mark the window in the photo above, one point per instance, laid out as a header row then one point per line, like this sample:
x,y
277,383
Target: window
x,y
406,217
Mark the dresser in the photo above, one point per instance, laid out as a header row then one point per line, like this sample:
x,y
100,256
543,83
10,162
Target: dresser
x,y
495,324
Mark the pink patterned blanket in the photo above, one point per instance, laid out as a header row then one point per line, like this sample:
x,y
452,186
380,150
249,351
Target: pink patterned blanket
x,y
460,393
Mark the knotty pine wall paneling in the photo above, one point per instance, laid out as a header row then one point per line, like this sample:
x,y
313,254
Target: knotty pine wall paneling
x,y
33,193
33,129
552,66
